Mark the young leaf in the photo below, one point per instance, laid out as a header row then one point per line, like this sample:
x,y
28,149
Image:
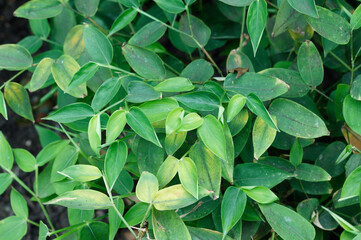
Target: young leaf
x,y
296,154
123,20
115,125
50,151
18,204
190,122
18,100
230,216
287,223
3,109
296,120
311,173
195,27
256,106
307,7
41,74
174,141
263,136
148,34
351,186
97,45
5,181
188,175
309,64
39,9
13,227
6,154
235,105
144,62
174,120
43,231
87,8
167,171
355,21
84,199
342,222
211,134
70,113
169,226
114,161
175,6
176,84
95,134
82,173
141,125
105,93
147,187
173,197
84,73
25,160
260,194
256,22
331,26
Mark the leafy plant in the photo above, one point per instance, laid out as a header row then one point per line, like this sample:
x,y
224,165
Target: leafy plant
x,y
186,119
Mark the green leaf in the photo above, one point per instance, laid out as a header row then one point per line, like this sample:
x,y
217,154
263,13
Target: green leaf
x,y
311,173
63,71
287,223
18,204
67,157
187,171
342,222
263,136
130,3
5,181
351,108
139,92
175,6
115,126
123,20
168,225
31,43
86,72
256,106
355,21
351,186
39,9
43,231
172,198
18,100
13,228
82,173
208,169
199,100
74,42
296,120
87,8
228,163
309,64
148,34
256,174
147,187
94,230
256,22
235,106
260,194
356,88
105,93
25,160
230,216
198,71
212,135
114,219
167,171
176,84
97,45
84,199
265,87
199,30
114,162
70,113
331,26
286,16
190,122
237,3
149,156
95,134
41,74
144,62
296,154
50,151
6,154
174,120
3,109
40,27
135,214
174,141
307,7
158,110
141,125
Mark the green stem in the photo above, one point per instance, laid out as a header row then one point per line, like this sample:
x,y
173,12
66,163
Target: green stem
x,y
118,69
116,209
12,78
111,106
57,129
51,42
273,5
352,59
72,141
32,222
242,29
143,220
341,61
37,180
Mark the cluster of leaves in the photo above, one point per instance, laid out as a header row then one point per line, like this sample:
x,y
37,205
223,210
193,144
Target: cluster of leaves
x,y
153,125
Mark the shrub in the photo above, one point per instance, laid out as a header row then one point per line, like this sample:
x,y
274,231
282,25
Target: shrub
x,y
188,119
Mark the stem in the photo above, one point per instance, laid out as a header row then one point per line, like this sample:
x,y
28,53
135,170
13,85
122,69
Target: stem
x,y
32,222
144,218
77,225
37,180
352,59
51,42
340,60
109,107
72,141
116,209
325,96
96,24
273,5
130,24
12,78
118,69
57,129
242,29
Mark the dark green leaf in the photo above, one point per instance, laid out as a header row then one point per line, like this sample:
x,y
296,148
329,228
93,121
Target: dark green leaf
x,y
199,100
105,93
97,45
148,34
175,6
311,173
176,84
85,73
256,22
307,7
123,20
114,161
70,113
87,8
199,30
139,92
198,71
39,9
